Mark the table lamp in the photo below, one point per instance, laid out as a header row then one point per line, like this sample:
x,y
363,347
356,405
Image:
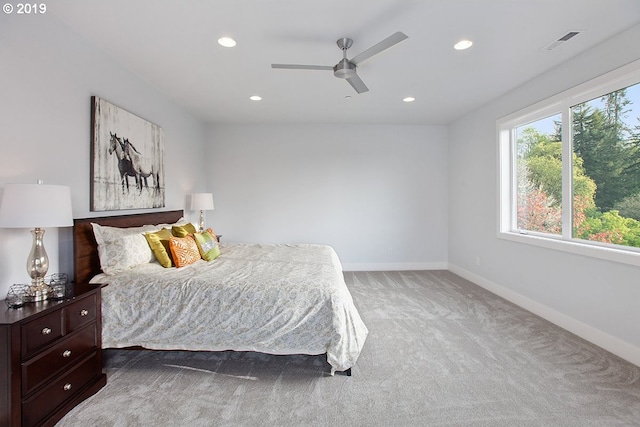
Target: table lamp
x,y
36,206
202,202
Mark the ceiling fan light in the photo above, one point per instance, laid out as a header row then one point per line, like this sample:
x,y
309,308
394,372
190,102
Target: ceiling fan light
x,y
226,42
344,69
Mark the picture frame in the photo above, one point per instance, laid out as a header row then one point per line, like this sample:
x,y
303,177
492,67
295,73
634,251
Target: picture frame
x,y
127,159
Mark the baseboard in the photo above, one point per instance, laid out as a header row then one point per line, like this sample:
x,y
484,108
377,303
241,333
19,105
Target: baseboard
x,y
398,266
595,336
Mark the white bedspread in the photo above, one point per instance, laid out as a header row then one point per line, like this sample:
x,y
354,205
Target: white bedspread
x,y
277,299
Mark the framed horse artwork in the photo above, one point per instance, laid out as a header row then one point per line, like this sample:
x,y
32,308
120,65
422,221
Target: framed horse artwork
x,y
127,159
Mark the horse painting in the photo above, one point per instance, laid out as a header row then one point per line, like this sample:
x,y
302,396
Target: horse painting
x,y
143,167
113,132
124,162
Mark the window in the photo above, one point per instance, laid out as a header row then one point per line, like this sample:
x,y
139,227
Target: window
x,y
570,169
605,134
539,176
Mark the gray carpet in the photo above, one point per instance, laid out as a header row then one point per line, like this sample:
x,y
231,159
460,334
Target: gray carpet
x,y
440,352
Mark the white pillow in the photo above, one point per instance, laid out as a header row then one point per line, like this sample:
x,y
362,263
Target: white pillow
x,y
181,221
122,248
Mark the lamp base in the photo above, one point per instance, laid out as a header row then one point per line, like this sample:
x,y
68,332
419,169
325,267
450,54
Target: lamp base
x,y
39,290
201,221
39,293
37,266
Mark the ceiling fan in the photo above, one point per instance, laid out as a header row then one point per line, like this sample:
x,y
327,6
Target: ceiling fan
x,y
346,68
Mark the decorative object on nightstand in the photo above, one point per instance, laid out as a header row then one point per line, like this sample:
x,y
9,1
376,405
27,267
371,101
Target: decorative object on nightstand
x,y
202,202
59,283
36,206
18,295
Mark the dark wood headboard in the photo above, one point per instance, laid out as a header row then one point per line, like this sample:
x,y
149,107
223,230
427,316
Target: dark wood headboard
x,y
85,248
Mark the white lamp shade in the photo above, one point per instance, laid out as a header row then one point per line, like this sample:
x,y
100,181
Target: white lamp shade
x,y
36,205
202,202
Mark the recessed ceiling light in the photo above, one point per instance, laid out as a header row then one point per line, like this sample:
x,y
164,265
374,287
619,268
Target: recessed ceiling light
x,y
463,44
409,99
226,42
255,98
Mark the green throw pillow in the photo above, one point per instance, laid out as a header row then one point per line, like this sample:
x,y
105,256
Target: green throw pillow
x,y
183,230
159,244
207,245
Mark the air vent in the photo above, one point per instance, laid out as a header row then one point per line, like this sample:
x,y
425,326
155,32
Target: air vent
x,y
568,36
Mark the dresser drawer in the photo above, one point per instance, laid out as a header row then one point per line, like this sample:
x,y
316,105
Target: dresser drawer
x,y
57,358
37,407
80,313
40,332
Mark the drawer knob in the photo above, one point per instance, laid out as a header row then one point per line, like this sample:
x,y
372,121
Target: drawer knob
x,y
46,331
66,353
67,387
84,312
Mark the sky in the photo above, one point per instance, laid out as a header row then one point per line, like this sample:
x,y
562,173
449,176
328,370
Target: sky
x,y
546,126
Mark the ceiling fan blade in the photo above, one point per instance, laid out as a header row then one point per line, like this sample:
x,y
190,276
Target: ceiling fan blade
x,y
302,67
377,48
357,83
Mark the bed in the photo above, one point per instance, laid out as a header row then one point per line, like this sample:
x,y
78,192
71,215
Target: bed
x,y
275,299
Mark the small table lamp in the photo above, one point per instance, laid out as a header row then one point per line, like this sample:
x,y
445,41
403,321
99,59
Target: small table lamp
x,y
202,202
36,206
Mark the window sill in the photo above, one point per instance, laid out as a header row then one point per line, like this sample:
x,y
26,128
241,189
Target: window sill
x,y
574,247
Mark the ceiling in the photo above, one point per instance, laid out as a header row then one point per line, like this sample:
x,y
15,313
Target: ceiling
x,y
172,45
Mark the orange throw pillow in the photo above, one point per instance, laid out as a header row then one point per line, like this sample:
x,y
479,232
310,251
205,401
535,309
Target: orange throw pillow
x,y
184,250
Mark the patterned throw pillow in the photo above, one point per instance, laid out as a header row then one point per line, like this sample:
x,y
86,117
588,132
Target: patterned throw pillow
x,y
159,243
184,250
121,248
207,245
213,234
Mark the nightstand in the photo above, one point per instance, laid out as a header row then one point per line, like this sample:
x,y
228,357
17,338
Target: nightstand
x,y
50,357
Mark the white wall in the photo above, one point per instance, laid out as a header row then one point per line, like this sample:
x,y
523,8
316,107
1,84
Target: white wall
x,y
362,189
47,76
596,299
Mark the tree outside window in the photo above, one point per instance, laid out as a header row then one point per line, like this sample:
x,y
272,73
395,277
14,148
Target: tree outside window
x,y
605,166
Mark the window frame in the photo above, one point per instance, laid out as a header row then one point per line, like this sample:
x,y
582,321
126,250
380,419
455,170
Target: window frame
x,y
507,185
